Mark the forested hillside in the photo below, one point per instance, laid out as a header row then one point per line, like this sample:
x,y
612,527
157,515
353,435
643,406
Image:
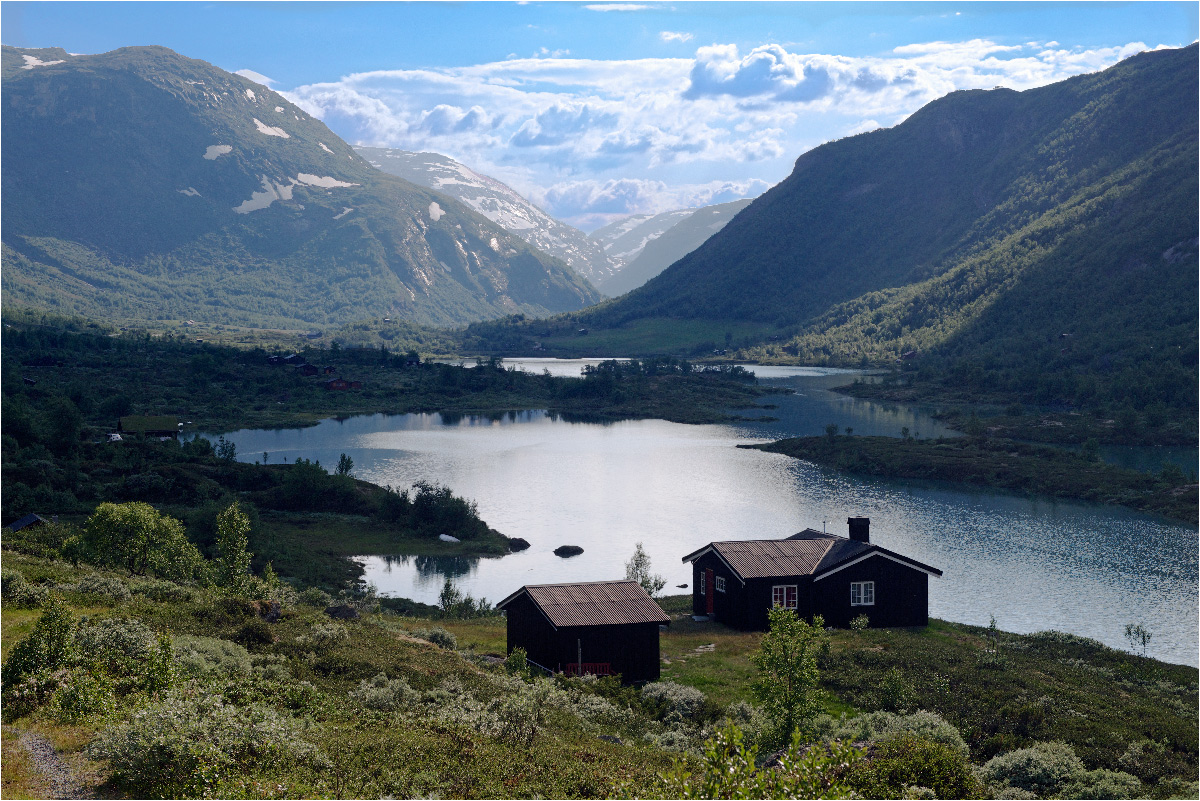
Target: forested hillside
x,y
144,185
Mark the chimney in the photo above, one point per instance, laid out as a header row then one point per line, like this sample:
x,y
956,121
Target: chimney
x,y
860,528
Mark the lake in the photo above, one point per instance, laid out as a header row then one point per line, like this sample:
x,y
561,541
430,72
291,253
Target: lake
x,y
1032,563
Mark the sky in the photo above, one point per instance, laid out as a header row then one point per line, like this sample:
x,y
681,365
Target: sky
x,y
595,111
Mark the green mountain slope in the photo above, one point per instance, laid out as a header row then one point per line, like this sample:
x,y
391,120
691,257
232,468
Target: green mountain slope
x,y
145,185
1046,239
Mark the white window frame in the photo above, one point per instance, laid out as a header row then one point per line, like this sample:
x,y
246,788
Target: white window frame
x,y
702,587
782,589
720,582
864,592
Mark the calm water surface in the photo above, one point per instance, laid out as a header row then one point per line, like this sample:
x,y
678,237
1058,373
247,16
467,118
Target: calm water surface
x,y
1033,564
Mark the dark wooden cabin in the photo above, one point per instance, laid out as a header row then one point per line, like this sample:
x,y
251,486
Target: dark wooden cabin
x,y
605,627
814,573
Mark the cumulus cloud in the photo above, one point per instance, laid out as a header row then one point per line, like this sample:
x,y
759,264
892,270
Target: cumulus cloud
x,y
674,36
588,137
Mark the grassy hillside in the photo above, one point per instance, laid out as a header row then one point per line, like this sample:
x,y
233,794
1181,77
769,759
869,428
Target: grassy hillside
x,y
328,704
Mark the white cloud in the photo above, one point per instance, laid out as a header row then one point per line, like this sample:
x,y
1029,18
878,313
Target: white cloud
x,y
256,77
601,137
674,36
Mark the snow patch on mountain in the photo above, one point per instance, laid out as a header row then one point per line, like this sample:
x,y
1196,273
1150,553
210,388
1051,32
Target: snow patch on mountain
x,y
279,109
250,94
216,151
323,147
435,211
316,180
270,193
34,61
190,192
268,130
345,210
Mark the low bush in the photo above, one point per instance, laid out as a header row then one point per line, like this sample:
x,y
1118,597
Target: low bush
x,y
315,596
1042,769
876,726
175,747
107,587
114,644
161,591
905,761
383,693
209,656
81,696
438,636
49,646
679,701
15,590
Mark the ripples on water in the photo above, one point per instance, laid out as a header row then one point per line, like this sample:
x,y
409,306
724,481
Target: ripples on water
x,y
1033,564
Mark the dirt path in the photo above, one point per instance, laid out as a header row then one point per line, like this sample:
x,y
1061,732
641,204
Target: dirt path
x,y
63,782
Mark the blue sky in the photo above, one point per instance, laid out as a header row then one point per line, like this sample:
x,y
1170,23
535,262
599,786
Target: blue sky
x,y
598,110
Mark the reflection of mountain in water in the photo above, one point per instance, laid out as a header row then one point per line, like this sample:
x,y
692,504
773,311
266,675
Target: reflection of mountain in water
x,y
434,569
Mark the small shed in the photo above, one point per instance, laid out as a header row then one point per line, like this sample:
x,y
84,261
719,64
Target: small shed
x,y
813,573
601,627
32,520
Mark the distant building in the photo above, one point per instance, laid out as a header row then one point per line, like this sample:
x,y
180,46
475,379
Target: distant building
x,y
814,573
308,369
602,627
28,521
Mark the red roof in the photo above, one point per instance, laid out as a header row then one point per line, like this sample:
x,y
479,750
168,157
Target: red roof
x,y
598,603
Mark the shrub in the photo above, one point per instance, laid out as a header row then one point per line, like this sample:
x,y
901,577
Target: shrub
x,y
115,644
103,587
174,747
15,590
438,636
1104,784
685,702
255,632
905,761
82,696
49,646
1042,768
517,662
24,696
314,596
383,693
329,634
860,623
163,591
876,726
209,656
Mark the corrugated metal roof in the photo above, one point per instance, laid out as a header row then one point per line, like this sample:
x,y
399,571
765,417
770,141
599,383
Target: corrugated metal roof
x,y
790,557
599,603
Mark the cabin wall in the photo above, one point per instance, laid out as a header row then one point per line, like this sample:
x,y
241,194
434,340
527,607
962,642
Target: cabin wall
x,y
901,595
528,628
729,607
632,649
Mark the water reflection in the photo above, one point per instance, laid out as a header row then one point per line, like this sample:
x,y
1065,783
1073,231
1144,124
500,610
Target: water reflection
x,y
1034,564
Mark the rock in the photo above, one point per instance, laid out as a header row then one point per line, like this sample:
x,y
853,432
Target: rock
x,y
448,538
608,738
681,586
269,611
342,612
517,544
566,551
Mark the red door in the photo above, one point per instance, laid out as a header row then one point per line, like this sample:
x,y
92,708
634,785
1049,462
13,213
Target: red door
x,y
709,591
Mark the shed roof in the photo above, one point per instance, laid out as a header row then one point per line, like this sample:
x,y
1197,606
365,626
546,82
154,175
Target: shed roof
x,y
597,603
27,520
809,553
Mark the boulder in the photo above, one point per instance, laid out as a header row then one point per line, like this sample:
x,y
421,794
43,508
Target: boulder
x,y
517,544
566,551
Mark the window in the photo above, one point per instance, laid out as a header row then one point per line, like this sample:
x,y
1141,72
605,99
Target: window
x,y
720,582
862,593
784,595
702,582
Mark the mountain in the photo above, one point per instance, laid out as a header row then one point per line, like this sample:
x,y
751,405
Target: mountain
x,y
1038,238
657,253
625,239
498,202
141,184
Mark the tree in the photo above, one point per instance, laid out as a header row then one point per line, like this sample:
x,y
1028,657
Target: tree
x,y
787,664
233,555
831,430
1137,634
345,465
135,536
638,569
